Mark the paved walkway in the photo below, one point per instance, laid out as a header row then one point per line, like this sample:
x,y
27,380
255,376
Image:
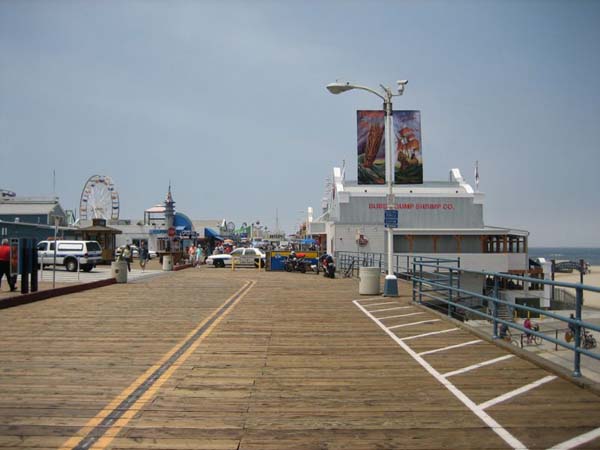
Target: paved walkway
x,y
215,359
65,278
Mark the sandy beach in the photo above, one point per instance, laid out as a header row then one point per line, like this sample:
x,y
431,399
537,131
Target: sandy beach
x,y
591,299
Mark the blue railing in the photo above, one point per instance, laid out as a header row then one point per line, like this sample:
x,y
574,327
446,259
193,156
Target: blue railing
x,y
348,263
436,279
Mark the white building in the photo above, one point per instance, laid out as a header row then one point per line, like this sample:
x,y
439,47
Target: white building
x,y
437,219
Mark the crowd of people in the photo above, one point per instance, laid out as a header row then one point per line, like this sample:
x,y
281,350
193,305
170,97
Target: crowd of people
x,y
196,254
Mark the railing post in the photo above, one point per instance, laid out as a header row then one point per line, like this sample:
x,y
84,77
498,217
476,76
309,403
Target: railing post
x,y
450,295
414,282
577,355
421,282
458,281
495,307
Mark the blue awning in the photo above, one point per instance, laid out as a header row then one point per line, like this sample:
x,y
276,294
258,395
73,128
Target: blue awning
x,y
212,234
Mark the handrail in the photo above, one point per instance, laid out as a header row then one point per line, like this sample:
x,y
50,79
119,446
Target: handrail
x,y
524,278
435,283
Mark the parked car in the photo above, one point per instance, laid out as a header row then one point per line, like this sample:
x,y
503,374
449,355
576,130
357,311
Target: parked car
x,y
247,256
69,253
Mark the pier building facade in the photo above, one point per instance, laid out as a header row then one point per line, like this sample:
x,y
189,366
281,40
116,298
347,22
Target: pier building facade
x,y
441,219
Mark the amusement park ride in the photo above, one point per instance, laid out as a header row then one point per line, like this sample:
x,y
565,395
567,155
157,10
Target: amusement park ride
x,y
99,199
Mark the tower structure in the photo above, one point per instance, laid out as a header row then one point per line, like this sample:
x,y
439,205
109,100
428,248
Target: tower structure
x,y
169,209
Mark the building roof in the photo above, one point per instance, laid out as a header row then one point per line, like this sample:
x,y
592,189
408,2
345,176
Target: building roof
x,y
26,206
98,229
486,230
160,208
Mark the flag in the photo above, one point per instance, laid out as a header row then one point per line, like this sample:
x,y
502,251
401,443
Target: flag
x,y
477,174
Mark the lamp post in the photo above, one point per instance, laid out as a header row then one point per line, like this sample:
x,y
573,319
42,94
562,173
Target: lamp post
x,y
391,283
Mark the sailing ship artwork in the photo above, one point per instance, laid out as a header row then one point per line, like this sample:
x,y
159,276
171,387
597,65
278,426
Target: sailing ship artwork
x,y
371,147
409,158
406,145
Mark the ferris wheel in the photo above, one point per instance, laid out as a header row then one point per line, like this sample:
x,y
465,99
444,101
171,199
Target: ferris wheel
x,y
99,199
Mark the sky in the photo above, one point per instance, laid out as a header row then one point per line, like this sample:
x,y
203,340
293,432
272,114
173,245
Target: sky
x,y
227,100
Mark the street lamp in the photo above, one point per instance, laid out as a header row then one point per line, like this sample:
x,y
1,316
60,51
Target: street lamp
x,y
391,283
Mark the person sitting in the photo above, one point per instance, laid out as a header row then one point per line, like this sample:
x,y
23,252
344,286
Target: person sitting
x,y
505,332
572,331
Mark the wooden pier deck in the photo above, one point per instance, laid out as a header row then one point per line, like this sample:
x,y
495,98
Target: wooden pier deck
x,y
214,359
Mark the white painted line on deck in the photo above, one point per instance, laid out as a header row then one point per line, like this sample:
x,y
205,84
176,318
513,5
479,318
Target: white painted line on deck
x,y
485,417
400,315
390,309
366,299
577,441
519,391
379,304
428,334
413,323
477,366
450,347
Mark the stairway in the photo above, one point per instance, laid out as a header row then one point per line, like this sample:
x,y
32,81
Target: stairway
x,y
505,313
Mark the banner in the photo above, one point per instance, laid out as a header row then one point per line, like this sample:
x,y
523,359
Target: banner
x,y
371,147
408,167
406,147
15,260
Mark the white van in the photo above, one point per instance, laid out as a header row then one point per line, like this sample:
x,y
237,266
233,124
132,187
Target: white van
x,y
88,253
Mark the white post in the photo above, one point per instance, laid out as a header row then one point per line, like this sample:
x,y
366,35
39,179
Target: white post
x,y
56,219
391,283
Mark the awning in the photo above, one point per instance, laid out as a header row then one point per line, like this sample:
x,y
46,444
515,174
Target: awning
x,y
212,234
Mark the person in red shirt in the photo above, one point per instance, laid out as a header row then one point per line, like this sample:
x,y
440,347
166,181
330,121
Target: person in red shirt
x,y
527,324
5,265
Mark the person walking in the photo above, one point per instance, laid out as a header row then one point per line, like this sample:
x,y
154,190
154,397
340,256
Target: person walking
x,y
192,254
127,256
199,256
144,256
5,265
528,325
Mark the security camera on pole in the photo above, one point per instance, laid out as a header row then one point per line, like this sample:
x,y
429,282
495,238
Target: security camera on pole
x,y
391,213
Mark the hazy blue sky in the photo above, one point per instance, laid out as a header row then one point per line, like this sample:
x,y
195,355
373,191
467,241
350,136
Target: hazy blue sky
x,y
228,100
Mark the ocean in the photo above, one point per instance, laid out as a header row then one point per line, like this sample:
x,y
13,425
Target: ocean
x,y
590,255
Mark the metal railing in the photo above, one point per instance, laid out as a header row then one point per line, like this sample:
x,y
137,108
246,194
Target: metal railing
x,y
434,279
349,263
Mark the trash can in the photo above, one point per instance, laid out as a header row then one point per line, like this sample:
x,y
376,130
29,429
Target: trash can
x,y
119,271
369,280
167,263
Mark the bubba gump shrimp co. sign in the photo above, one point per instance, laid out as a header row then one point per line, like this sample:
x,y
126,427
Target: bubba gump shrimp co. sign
x,y
415,206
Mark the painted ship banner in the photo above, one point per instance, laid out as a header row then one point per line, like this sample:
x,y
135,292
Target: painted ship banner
x,y
406,145
371,147
408,157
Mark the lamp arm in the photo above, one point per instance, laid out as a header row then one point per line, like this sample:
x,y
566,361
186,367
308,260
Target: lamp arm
x,y
372,91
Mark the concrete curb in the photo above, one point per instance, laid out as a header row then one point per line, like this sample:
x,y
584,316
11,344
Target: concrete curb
x,y
49,293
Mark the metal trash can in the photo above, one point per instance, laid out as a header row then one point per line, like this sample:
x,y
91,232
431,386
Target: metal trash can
x,y
369,280
118,270
167,265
